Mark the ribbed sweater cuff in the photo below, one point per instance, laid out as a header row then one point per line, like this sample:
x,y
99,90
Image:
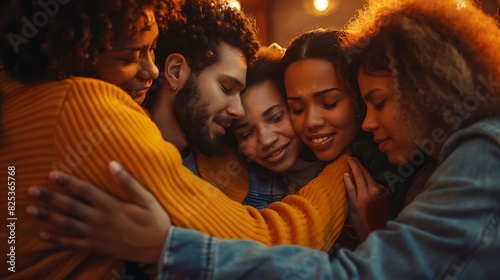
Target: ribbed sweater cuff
x,y
378,211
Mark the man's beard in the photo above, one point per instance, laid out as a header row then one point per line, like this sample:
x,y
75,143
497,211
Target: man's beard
x,y
192,115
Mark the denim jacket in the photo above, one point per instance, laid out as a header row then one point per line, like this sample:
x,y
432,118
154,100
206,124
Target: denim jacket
x,y
449,231
266,187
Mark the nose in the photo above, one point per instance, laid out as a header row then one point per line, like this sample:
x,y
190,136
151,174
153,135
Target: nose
x,y
148,70
369,123
235,108
314,119
266,137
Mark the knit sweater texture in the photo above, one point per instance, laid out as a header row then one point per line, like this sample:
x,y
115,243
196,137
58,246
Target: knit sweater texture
x,y
79,125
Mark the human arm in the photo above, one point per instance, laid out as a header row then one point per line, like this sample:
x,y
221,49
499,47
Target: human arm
x,y
92,209
128,136
451,230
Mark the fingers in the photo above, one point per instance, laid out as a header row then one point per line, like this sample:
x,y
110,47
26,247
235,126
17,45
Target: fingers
x,y
69,242
137,192
68,205
358,176
69,225
370,186
82,190
352,195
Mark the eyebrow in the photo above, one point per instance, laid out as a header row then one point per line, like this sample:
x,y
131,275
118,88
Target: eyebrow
x,y
138,48
265,113
316,94
235,80
268,111
368,96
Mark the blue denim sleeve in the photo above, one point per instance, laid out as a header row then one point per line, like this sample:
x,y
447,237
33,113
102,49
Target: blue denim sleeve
x,y
449,231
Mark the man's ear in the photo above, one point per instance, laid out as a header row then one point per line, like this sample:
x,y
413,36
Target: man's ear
x,y
176,71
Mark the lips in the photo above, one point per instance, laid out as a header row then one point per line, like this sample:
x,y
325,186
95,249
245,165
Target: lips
x,y
137,93
276,154
382,143
320,141
224,124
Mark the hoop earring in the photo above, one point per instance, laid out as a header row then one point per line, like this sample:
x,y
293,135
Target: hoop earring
x,y
173,88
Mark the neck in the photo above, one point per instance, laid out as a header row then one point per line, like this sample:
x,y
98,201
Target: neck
x,y
163,116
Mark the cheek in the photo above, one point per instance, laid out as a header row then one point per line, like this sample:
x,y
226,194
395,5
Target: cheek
x,y
286,128
405,141
248,148
214,103
297,123
347,120
117,75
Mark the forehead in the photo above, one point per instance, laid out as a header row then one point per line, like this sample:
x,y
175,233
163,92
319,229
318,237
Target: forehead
x,y
231,63
377,80
265,94
310,75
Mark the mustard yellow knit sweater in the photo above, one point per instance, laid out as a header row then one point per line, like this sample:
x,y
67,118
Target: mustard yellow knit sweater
x,y
78,126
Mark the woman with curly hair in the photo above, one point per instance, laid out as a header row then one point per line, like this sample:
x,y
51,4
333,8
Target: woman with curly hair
x,y
428,74
57,112
66,105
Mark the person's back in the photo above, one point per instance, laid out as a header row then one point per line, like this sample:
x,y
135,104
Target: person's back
x,y
54,119
34,117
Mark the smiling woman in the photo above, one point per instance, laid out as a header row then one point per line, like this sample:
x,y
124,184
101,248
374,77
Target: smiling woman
x,y
322,111
130,64
327,114
64,106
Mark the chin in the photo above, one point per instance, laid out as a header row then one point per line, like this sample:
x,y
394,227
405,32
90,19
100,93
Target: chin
x,y
396,158
280,168
140,100
328,155
283,167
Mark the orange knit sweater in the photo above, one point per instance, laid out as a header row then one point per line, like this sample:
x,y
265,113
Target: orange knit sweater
x,y
78,126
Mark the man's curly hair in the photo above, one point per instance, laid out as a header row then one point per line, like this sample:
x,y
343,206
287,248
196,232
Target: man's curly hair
x,y
200,29
60,39
442,55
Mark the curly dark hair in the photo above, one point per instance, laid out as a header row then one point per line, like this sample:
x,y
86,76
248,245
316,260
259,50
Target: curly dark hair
x,y
266,67
203,26
58,39
442,55
321,43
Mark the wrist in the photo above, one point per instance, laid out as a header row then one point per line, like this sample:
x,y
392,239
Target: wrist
x,y
377,211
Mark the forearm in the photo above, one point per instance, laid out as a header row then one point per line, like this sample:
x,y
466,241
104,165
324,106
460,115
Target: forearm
x,y
448,231
123,133
214,258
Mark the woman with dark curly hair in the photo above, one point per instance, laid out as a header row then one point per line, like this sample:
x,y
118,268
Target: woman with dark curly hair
x,y
55,114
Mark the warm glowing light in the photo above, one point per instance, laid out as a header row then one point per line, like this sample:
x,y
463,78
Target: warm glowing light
x,y
321,5
319,8
235,4
461,4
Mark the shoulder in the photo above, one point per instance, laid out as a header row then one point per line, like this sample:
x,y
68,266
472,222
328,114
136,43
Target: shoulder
x,y
95,96
90,88
476,138
334,169
471,156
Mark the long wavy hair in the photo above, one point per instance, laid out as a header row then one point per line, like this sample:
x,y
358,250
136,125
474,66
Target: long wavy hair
x,y
443,55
